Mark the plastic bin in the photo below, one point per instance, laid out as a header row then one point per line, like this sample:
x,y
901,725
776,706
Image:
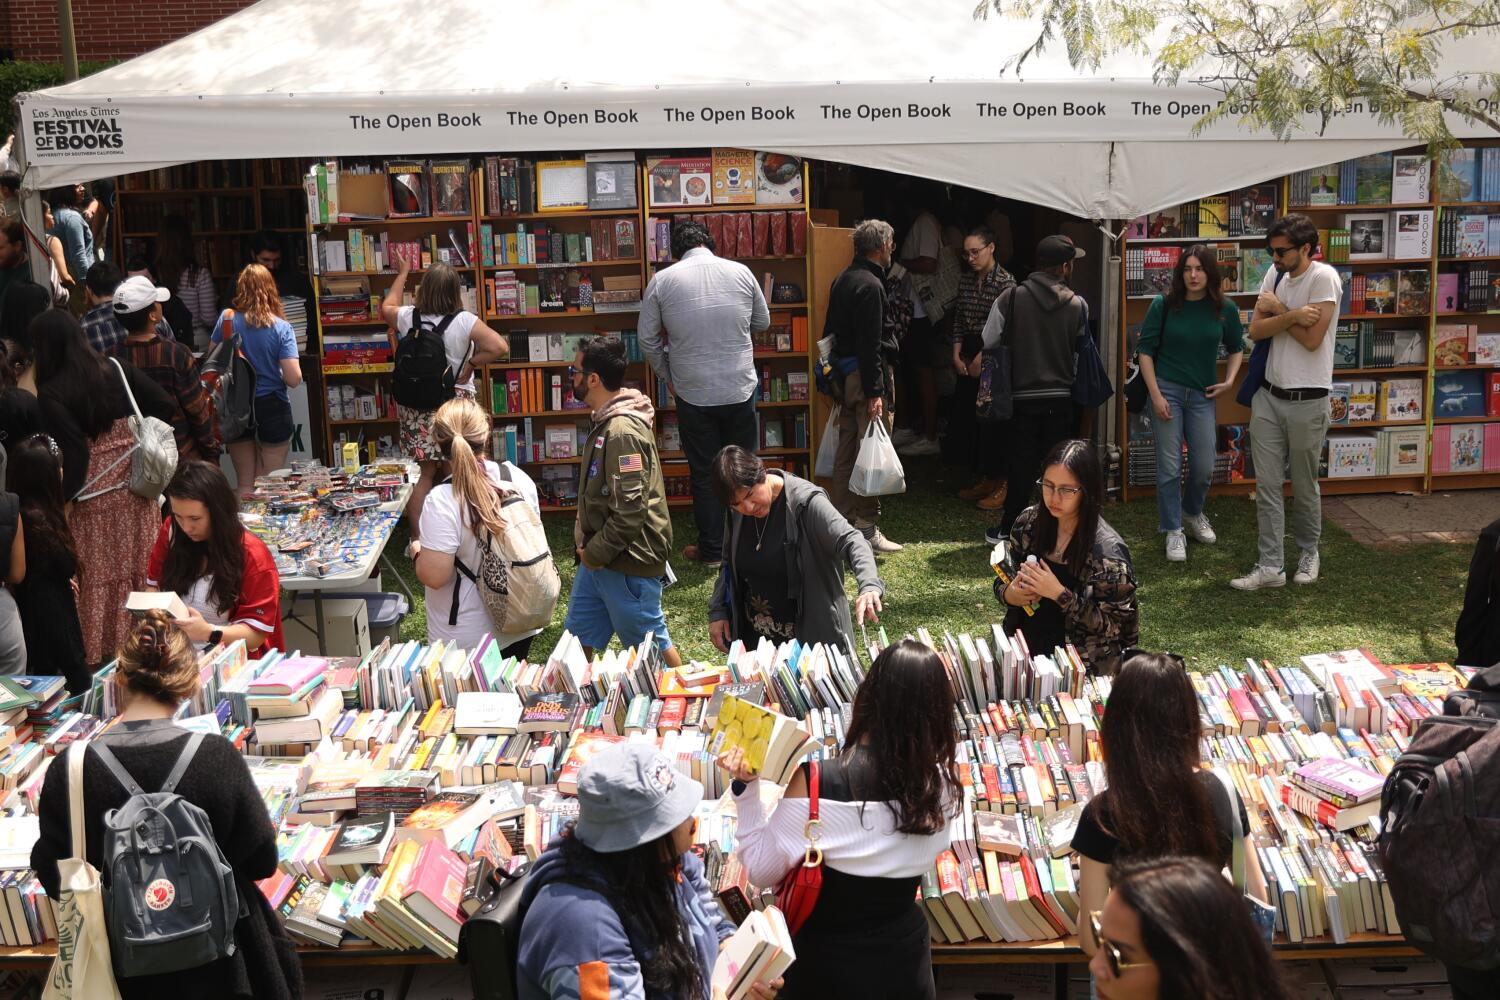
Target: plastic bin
x,y
384,611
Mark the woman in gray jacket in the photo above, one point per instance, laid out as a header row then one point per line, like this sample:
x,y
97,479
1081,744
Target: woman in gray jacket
x,y
785,551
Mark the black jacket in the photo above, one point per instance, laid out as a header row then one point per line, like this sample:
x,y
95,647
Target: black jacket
x,y
856,321
1478,632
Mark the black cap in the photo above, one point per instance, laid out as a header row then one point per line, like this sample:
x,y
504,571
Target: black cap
x,y
1055,250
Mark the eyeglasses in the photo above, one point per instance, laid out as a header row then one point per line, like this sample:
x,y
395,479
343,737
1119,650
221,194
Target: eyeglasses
x,y
1117,964
1066,492
1281,251
971,254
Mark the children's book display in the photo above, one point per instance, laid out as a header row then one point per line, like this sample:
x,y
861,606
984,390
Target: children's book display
x,y
418,770
321,522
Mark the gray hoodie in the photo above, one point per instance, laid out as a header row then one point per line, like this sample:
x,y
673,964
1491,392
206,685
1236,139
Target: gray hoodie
x,y
1047,317
819,544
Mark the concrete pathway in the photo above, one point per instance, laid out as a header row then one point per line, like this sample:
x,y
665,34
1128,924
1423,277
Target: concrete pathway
x,y
1397,519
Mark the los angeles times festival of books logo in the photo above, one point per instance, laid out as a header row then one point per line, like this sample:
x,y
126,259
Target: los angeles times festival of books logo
x,y
89,132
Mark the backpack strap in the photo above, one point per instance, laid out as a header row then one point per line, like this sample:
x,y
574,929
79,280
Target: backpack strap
x,y
117,769
458,564
183,760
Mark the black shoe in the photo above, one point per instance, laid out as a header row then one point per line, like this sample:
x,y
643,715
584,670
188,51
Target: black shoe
x,y
994,535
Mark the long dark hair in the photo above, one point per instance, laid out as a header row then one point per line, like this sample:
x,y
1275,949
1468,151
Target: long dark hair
x,y
903,718
1209,261
222,556
33,473
1079,458
1156,804
641,885
1198,931
71,371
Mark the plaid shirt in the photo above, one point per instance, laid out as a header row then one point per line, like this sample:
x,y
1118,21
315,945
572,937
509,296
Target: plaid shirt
x,y
105,332
171,366
976,294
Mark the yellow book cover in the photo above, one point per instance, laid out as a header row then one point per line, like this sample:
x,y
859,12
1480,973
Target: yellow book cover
x,y
749,727
562,186
733,176
1213,216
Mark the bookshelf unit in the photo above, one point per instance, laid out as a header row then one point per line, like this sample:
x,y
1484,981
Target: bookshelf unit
x,y
586,279
1393,337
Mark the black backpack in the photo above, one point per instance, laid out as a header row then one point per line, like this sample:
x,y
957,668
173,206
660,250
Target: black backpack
x,y
492,936
424,380
229,379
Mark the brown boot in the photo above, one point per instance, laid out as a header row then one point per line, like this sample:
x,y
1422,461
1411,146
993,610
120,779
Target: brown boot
x,y
693,554
996,500
978,490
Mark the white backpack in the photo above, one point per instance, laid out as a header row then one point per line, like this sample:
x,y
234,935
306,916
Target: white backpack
x,y
517,580
153,457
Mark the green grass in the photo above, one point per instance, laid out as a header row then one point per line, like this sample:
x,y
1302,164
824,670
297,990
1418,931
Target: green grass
x,y
1400,602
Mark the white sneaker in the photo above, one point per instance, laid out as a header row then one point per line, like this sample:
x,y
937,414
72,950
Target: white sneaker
x,y
904,435
1307,568
1198,528
915,449
883,545
1259,578
1176,547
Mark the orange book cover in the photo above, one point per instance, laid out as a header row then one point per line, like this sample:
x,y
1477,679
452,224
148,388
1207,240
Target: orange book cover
x,y
799,334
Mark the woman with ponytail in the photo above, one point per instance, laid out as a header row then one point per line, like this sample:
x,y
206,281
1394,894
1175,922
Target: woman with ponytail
x,y
452,516
157,670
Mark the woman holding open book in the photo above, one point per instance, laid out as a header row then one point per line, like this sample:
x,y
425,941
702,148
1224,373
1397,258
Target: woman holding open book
x,y
1159,802
885,804
225,575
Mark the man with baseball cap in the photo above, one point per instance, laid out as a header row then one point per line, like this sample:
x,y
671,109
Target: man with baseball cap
x,y
593,898
101,323
137,305
1040,320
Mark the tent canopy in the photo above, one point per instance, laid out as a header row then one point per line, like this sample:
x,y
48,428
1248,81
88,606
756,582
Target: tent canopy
x,y
878,83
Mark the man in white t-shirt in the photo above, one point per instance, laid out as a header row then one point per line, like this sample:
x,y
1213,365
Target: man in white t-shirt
x,y
1297,311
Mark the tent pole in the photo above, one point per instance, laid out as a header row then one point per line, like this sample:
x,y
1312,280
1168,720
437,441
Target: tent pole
x,y
65,39
1109,333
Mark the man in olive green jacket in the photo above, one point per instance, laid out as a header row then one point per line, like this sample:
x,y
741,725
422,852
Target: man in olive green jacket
x,y
623,533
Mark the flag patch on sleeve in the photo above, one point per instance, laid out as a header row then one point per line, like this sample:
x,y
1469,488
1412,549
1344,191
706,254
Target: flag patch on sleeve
x,y
631,462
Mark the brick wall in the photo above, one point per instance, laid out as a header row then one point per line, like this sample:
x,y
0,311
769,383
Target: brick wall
x,y
107,29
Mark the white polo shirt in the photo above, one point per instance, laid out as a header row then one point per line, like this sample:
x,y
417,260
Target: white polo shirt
x,y
1292,366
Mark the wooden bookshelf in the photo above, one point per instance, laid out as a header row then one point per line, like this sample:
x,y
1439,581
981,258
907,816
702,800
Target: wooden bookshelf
x,y
1435,263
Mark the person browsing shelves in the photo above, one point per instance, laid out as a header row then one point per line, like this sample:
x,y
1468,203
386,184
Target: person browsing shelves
x,y
1081,584
224,574
783,572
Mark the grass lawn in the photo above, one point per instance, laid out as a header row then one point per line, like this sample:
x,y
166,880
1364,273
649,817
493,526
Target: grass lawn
x,y
1399,602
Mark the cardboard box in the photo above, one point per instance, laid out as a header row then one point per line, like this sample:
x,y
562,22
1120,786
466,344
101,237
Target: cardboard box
x,y
1383,972
346,627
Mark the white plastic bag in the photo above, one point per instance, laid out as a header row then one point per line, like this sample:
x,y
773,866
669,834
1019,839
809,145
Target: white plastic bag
x,y
828,447
877,470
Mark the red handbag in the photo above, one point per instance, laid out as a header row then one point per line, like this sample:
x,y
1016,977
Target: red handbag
x,y
798,893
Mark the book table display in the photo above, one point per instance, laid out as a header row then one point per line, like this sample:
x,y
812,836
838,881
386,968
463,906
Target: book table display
x,y
382,771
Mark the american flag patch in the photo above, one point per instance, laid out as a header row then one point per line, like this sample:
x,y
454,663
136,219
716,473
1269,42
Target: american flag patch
x,y
630,463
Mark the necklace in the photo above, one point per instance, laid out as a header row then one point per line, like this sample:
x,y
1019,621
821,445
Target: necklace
x,y
761,525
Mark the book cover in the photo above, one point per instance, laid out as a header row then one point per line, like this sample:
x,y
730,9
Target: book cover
x,y
1413,234
1451,347
734,176
549,710
1159,263
1457,174
1257,209
1255,264
778,179
1413,292
1367,236
1164,223
1324,185
1409,185
1338,402
1473,236
1372,179
1401,399
1466,448
487,713
1351,456
1362,398
611,181
408,188
1213,216
1380,292
1458,394
1339,780
561,186
450,188
435,888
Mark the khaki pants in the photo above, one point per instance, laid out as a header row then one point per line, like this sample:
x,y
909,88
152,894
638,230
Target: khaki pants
x,y
854,420
1285,433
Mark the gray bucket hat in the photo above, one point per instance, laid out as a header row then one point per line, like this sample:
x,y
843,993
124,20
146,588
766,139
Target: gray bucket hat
x,y
629,795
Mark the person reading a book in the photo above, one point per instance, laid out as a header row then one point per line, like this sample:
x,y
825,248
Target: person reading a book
x,y
224,574
1179,350
1173,927
885,804
468,344
783,570
1159,801
452,518
617,907
157,670
270,344
1073,569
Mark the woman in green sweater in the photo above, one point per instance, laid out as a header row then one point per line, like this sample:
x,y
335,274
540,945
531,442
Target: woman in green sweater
x,y
1179,351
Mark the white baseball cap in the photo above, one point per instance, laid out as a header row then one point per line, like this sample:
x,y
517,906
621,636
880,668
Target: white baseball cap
x,y
135,294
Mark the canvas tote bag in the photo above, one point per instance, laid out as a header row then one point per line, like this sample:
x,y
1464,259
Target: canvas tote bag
x,y
82,969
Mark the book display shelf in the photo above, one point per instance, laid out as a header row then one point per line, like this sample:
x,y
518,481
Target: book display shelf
x,y
226,201
1415,404
554,251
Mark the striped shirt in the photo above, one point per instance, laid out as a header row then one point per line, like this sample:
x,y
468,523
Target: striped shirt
x,y
976,293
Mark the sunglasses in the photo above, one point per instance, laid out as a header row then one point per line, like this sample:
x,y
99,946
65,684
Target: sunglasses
x,y
1282,251
1116,963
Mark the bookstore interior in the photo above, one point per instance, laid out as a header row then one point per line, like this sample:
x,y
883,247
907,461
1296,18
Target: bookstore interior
x,y
390,772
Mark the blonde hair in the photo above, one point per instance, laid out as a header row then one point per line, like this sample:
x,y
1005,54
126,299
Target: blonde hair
x,y
461,430
157,660
255,295
440,293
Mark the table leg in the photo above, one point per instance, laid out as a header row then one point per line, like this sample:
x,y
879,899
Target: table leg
x,y
321,627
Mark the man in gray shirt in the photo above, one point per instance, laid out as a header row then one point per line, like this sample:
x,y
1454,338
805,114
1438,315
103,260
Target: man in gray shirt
x,y
708,307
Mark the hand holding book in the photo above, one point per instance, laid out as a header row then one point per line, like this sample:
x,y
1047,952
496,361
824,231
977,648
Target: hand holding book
x,y
733,761
757,991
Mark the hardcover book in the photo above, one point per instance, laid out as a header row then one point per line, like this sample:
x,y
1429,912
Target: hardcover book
x,y
778,179
734,176
450,188
1409,184
1367,236
611,181
408,188
1372,179
1324,185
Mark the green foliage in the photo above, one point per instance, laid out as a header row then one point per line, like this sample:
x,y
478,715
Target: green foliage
x,y
20,77
1274,63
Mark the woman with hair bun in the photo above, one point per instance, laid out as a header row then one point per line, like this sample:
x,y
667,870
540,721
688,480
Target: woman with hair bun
x,y
157,670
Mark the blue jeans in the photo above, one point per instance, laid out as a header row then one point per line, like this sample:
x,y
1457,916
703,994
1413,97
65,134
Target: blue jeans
x,y
606,603
1193,418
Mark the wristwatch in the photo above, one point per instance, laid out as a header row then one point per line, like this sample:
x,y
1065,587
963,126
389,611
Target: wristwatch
x,y
215,637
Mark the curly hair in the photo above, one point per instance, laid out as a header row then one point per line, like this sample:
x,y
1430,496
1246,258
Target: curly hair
x,y
256,296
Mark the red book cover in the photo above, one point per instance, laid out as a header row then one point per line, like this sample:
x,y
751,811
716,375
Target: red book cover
x,y
716,232
778,233
1037,899
438,878
947,872
990,774
672,712
762,230
1240,702
797,233
744,236
1492,395
1491,447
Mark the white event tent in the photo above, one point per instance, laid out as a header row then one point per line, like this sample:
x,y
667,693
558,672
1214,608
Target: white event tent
x,y
917,88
